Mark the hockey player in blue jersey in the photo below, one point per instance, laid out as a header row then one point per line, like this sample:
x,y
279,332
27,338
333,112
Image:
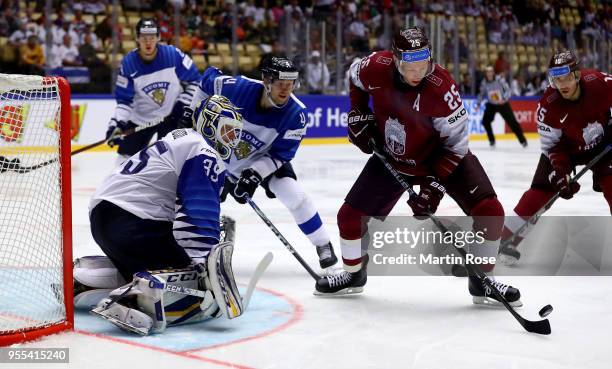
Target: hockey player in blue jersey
x,y
274,125
155,82
160,209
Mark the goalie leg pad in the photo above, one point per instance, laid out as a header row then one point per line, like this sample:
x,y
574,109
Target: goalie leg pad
x,y
221,280
94,278
143,296
181,308
97,272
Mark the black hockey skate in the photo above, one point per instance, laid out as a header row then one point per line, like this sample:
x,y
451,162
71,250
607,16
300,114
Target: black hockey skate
x,y
344,283
327,257
482,294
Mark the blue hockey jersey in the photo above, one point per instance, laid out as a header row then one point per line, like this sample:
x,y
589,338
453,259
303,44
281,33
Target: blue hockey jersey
x,y
146,92
270,137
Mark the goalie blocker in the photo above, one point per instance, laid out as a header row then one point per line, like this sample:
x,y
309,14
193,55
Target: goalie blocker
x,y
154,300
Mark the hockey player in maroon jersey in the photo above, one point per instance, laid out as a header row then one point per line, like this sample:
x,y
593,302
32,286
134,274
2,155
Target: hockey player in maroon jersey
x,y
420,123
574,125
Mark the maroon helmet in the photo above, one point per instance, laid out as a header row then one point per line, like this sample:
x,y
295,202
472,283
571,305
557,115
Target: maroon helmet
x,y
411,45
562,63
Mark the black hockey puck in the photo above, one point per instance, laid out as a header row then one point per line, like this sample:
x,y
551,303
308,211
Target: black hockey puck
x,y
545,311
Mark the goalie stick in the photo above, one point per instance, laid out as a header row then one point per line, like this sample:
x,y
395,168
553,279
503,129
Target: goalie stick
x,y
15,164
534,218
540,326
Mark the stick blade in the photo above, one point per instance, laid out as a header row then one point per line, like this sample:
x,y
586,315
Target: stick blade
x,y
539,326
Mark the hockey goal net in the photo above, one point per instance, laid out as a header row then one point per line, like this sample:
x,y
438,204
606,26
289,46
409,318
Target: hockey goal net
x,y
35,208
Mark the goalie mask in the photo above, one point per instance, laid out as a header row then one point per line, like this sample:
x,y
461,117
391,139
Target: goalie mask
x,y
412,55
218,120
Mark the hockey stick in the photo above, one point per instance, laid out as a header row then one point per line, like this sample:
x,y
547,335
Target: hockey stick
x,y
540,326
15,165
257,274
534,218
282,239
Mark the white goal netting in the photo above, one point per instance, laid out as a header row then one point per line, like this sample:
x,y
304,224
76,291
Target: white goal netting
x,y
31,237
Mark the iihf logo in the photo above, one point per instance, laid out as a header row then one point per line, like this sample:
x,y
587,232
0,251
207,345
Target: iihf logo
x,y
157,91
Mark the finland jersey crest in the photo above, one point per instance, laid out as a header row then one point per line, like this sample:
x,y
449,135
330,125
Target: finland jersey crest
x,y
157,91
248,144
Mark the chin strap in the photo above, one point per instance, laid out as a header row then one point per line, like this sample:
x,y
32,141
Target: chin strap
x,y
267,90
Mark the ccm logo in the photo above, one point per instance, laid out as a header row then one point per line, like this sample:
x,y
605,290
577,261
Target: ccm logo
x,y
457,116
182,277
543,128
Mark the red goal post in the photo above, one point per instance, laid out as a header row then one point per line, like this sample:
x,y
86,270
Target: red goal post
x,y
35,208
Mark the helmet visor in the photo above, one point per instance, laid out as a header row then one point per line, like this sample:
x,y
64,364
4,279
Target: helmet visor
x,y
558,74
415,56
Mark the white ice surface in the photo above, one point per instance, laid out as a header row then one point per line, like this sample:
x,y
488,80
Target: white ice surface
x,y
398,322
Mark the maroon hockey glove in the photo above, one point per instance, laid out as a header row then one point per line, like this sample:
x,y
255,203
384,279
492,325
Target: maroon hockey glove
x,y
428,199
361,126
560,179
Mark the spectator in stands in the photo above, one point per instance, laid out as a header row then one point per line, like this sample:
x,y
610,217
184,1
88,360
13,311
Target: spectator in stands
x,y
7,23
87,32
448,23
65,29
68,53
519,81
78,24
94,6
104,30
87,53
165,30
465,87
536,86
472,9
502,66
322,9
359,34
32,58
318,74
19,37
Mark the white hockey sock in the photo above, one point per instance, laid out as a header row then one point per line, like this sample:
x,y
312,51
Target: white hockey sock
x,y
351,254
291,194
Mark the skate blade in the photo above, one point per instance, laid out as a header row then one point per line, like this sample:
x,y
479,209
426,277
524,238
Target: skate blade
x,y
506,260
488,301
120,324
346,291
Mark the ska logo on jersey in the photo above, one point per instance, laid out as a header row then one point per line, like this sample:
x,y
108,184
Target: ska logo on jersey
x,y
248,144
395,136
157,91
